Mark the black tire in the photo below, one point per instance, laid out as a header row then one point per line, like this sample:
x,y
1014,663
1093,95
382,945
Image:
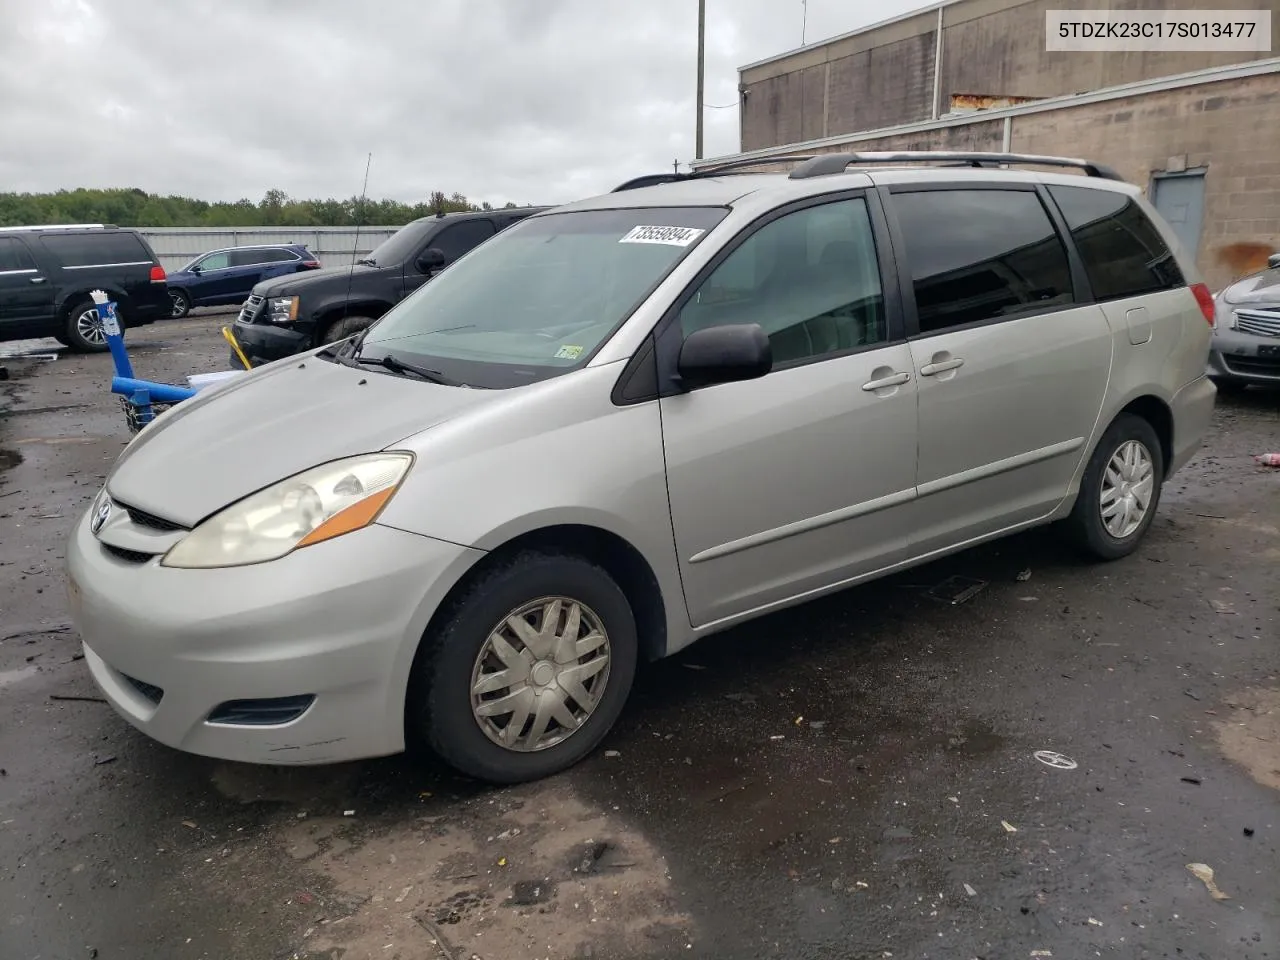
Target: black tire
x,y
181,301
344,327
1229,388
1085,524
439,711
72,328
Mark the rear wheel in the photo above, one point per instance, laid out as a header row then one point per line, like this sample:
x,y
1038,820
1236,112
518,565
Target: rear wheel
x,y
529,670
345,327
181,303
83,330
1119,491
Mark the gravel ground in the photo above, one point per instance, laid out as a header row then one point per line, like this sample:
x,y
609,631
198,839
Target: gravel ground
x,y
855,778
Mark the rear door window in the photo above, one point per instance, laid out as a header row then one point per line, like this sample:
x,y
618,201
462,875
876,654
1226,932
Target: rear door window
x,y
14,255
108,248
1123,253
981,255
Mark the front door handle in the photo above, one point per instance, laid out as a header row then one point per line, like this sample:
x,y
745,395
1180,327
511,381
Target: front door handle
x,y
942,366
37,279
893,380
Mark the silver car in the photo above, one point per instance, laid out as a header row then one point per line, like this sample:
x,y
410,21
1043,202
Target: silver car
x,y
625,424
1246,338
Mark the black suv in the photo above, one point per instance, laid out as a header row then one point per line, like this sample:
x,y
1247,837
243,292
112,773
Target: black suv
x,y
46,274
288,315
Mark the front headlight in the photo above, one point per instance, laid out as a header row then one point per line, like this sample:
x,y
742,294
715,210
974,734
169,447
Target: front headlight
x,y
282,309
1225,316
317,504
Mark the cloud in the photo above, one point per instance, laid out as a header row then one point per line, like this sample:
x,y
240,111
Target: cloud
x,y
535,101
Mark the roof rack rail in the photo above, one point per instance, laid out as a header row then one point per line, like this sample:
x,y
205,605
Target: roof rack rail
x,y
729,166
65,226
830,163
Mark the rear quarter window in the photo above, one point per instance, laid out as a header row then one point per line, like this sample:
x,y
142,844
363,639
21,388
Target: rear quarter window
x,y
1123,252
96,249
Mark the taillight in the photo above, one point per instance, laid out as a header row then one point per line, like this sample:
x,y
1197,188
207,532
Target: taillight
x,y
157,274
1205,299
311,264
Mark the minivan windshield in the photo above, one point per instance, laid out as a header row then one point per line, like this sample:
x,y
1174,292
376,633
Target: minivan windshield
x,y
537,299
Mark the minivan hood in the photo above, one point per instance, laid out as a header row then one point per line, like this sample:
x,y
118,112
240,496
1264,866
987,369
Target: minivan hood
x,y
1258,288
281,419
296,283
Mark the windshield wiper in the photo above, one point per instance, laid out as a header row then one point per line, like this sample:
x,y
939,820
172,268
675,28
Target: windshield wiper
x,y
390,361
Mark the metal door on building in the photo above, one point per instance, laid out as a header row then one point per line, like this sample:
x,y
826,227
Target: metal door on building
x,y
1180,199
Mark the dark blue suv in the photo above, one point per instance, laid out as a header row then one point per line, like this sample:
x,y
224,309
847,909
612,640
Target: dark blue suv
x,y
226,276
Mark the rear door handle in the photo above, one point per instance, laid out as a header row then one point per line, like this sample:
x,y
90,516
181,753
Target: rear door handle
x,y
942,366
893,380
37,279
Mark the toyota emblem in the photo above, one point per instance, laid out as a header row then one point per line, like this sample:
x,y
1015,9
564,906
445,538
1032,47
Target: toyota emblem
x,y
100,516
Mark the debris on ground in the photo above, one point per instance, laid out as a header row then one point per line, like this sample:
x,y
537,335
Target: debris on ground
x,y
592,857
1008,827
612,753
957,590
1223,607
1024,576
1268,459
1248,831
101,760
1094,922
348,813
970,891
1191,780
1204,873
76,698
1059,761
693,666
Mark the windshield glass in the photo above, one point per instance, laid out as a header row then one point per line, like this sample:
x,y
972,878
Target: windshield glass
x,y
540,297
399,246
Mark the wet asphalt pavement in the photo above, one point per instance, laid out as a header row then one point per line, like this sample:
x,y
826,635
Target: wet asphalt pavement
x,y
852,779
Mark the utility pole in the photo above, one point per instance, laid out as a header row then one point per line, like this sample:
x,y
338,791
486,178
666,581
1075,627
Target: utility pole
x,y
702,43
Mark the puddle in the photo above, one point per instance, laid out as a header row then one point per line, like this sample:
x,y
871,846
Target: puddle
x,y
10,677
1250,736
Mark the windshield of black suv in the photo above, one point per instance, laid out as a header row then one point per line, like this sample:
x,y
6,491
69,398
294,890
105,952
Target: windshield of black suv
x,y
540,297
400,245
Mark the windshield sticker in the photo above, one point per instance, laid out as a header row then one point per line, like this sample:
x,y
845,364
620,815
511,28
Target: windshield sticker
x,y
569,352
672,236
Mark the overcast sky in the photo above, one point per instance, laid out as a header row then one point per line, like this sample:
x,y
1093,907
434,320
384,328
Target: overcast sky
x,y
526,100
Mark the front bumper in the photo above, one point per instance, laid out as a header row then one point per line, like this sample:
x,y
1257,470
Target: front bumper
x,y
1244,357
263,341
339,621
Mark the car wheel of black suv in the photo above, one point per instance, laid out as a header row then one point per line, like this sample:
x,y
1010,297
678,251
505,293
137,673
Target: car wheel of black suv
x,y
83,331
343,328
181,304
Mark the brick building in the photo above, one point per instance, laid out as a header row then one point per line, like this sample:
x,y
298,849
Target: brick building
x,y
1200,131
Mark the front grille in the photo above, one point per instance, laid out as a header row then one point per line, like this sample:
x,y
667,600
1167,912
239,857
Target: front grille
x,y
129,556
148,690
1261,323
1258,366
249,312
143,519
262,713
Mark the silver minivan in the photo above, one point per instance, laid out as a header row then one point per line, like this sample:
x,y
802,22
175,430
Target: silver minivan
x,y
625,424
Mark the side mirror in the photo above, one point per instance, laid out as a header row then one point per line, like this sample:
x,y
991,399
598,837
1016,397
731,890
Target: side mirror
x,y
431,259
1273,260
724,354
197,270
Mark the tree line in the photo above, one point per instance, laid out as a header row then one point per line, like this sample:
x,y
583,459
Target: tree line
x,y
137,208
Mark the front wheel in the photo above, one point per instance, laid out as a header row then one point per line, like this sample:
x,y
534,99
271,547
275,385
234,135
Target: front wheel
x,y
1119,491
83,330
180,302
344,328
529,670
